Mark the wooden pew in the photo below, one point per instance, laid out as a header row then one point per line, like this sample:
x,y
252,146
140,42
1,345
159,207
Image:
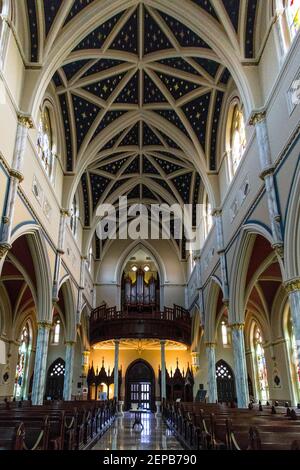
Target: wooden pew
x,y
12,437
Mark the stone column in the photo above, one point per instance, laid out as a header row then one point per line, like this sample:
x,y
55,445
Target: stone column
x,y
69,369
163,391
24,124
116,370
39,376
267,175
85,366
240,367
293,289
217,214
212,380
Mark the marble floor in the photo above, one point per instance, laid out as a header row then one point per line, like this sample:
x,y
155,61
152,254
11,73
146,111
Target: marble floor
x,y
154,436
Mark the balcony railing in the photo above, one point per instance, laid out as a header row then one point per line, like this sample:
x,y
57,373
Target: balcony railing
x,y
170,324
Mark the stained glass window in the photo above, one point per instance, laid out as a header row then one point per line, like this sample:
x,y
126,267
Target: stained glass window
x,y
56,331
224,332
294,360
293,16
74,216
44,142
237,137
22,364
260,365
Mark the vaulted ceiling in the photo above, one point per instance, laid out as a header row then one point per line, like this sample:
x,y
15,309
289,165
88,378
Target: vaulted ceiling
x,y
148,71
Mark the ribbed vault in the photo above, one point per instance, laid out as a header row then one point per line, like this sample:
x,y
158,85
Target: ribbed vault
x,y
141,95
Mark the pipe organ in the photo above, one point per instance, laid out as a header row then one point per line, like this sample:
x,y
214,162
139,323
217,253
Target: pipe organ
x,y
140,294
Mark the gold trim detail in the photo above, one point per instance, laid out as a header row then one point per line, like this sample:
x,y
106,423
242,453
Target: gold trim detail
x,y
292,286
25,121
256,118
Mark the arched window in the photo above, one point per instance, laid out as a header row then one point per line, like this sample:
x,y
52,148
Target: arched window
x,y
236,137
260,364
45,143
56,331
74,216
293,357
23,362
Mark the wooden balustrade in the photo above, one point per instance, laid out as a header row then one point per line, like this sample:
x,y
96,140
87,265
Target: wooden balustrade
x,y
171,323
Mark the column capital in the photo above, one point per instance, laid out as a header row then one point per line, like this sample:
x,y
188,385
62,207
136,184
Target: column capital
x,y
65,212
163,342
279,249
210,345
267,172
116,341
216,212
44,324
292,285
16,174
70,343
237,326
4,248
25,121
257,117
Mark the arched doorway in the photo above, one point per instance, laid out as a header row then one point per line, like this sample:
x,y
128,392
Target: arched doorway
x,y
225,382
140,385
55,380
